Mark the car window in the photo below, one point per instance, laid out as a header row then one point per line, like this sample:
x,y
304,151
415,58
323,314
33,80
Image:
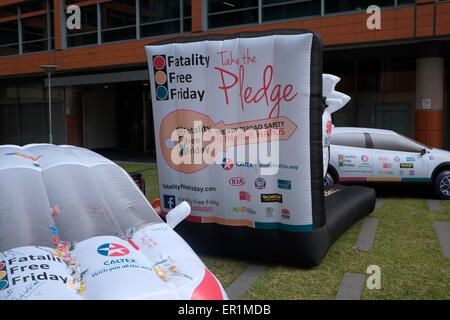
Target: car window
x,y
394,143
424,146
348,139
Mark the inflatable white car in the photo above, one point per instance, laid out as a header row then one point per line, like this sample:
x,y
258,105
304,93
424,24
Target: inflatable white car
x,y
74,225
376,155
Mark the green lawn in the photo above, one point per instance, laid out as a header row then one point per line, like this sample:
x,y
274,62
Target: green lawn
x,y
150,174
406,249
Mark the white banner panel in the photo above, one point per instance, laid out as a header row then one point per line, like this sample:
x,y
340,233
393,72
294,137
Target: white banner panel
x,y
256,93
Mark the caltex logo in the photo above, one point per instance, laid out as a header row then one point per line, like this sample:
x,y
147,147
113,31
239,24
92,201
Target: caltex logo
x,y
112,250
4,283
227,164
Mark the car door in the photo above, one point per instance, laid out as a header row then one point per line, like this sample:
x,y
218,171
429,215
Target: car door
x,y
398,159
350,157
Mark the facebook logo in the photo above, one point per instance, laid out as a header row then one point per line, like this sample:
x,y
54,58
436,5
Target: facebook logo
x,y
169,201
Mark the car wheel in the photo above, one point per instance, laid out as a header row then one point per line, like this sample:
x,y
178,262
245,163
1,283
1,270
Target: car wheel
x,y
328,181
442,184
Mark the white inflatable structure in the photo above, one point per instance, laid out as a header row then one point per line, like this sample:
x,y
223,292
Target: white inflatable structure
x,y
334,101
74,225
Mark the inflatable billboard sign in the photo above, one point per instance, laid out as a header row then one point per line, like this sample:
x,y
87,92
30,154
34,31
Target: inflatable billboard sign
x,y
238,127
74,225
258,154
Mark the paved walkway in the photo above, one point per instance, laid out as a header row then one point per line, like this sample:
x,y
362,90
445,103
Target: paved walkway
x,y
379,203
367,234
443,233
240,286
351,286
434,205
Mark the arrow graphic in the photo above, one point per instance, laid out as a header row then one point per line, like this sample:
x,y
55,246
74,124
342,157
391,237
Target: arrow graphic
x,y
233,134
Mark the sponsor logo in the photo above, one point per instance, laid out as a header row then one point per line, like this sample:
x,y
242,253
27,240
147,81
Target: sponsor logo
x,y
269,212
33,159
236,181
411,159
244,195
24,156
365,158
397,159
387,165
406,165
169,201
260,183
4,283
431,157
330,191
284,184
160,75
244,209
385,172
227,164
383,159
346,160
329,127
246,164
272,197
341,160
201,208
412,172
285,213
197,202
112,250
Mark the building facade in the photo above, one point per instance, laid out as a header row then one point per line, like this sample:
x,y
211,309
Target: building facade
x,y
397,74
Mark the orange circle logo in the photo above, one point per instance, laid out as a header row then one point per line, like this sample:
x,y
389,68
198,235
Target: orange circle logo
x,y
160,77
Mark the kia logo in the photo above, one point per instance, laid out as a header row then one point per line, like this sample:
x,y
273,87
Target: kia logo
x,y
237,181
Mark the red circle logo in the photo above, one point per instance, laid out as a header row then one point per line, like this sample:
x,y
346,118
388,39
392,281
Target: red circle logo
x,y
159,62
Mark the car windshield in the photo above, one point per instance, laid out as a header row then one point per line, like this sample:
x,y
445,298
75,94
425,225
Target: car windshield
x,y
414,141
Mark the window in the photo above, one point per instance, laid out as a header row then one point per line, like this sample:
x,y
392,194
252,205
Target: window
x,y
118,20
8,11
26,27
395,143
9,38
232,12
35,26
34,34
9,32
160,17
333,6
277,10
348,139
87,34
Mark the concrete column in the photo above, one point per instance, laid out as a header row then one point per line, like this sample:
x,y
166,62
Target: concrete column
x,y
430,100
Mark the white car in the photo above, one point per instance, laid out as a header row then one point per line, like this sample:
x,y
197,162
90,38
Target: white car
x,y
376,155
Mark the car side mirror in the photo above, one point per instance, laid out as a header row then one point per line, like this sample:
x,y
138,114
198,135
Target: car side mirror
x,y
178,214
423,151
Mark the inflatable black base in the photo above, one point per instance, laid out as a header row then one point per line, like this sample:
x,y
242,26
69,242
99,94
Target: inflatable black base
x,y
344,205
